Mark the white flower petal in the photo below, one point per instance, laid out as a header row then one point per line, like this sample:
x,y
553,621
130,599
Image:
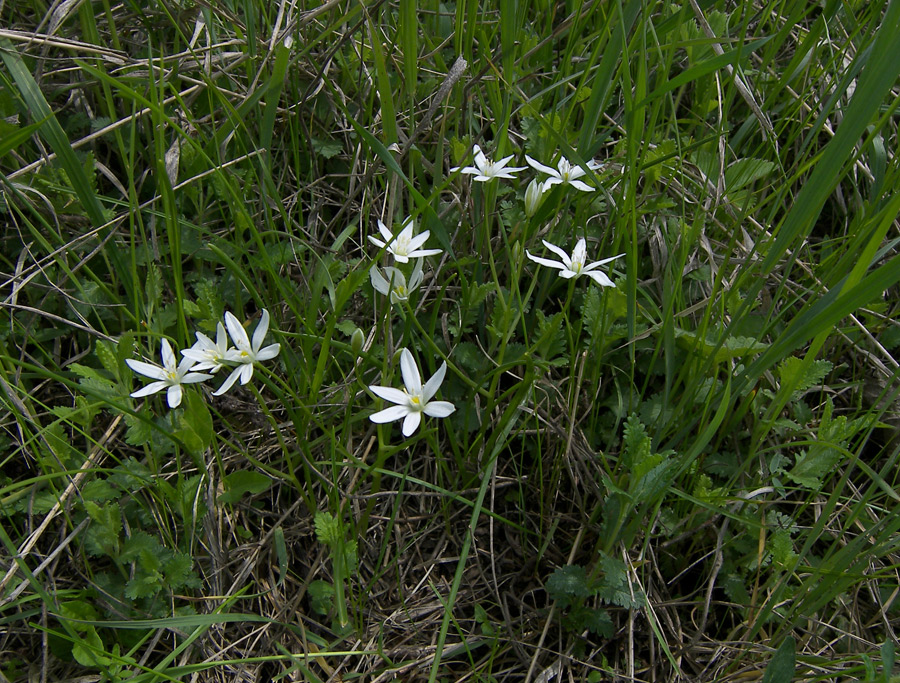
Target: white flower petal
x,y
579,253
603,262
229,382
480,159
246,372
379,283
383,229
173,395
578,185
421,253
559,252
194,377
146,369
411,422
410,371
151,388
439,408
269,352
545,261
417,241
389,414
540,167
390,394
168,356
433,384
259,334
415,279
237,331
600,279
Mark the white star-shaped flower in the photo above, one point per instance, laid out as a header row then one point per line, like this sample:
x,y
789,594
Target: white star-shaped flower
x,y
169,377
575,265
415,399
246,352
393,282
208,354
405,245
565,173
485,169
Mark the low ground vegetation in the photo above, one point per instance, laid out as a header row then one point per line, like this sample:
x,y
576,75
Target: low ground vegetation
x,y
449,341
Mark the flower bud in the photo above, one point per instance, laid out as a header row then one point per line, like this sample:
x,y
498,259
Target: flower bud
x,y
534,195
357,339
518,253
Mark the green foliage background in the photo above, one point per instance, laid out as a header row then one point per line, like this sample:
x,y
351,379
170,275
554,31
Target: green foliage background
x,y
692,474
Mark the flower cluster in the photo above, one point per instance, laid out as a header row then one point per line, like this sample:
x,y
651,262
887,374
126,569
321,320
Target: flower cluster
x,y
398,282
565,173
210,355
393,283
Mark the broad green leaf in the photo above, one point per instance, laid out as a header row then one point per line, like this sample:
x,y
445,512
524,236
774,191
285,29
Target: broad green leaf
x,y
781,667
238,484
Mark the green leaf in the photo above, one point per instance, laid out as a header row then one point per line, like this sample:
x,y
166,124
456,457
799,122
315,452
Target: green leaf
x,y
102,536
829,449
568,585
730,348
595,620
52,131
137,431
636,443
328,529
327,148
144,549
614,588
781,666
196,414
745,171
86,650
793,373
78,611
321,597
238,484
144,586
106,354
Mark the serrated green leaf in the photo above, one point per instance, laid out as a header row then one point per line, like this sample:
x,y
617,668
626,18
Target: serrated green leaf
x,y
99,490
144,549
792,372
102,536
636,442
321,597
731,348
654,483
106,354
614,588
745,171
144,586
137,431
178,570
568,584
327,148
328,529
